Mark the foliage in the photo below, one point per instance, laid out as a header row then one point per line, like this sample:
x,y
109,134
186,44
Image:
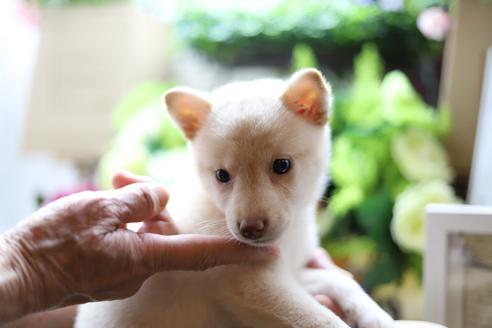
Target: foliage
x,y
142,95
387,164
303,57
332,28
144,132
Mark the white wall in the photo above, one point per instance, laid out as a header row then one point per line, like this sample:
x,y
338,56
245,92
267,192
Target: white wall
x,y
22,175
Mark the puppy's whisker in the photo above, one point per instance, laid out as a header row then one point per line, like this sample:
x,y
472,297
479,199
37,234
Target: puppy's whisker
x,y
216,227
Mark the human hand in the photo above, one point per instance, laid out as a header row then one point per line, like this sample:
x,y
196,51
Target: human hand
x,y
161,223
78,249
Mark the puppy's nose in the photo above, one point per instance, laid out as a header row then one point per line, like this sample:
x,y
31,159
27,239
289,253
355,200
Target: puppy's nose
x,y
252,229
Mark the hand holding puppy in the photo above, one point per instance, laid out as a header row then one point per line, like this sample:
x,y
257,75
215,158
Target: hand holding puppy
x,y
77,249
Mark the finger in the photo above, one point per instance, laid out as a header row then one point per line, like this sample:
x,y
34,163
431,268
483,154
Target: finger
x,y
199,252
124,178
320,260
161,224
345,272
330,304
139,201
158,227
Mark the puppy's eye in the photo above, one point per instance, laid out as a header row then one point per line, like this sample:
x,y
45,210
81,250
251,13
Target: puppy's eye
x,y
222,176
281,165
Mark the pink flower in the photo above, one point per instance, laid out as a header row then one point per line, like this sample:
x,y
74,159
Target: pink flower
x,y
434,23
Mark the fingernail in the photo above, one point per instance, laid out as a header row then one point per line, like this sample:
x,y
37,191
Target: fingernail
x,y
322,259
161,193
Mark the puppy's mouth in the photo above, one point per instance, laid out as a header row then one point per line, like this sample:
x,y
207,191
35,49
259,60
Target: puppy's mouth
x,y
258,236
259,243
255,242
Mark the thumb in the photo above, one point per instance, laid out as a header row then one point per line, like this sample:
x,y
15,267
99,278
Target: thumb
x,y
139,201
199,252
125,178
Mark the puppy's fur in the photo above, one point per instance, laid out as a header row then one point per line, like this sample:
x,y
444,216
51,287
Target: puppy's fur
x,y
243,128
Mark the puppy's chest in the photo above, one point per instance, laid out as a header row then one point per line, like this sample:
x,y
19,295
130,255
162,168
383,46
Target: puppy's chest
x,y
191,299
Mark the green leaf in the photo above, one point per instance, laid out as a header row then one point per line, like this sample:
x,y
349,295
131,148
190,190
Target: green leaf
x,y
303,57
393,180
364,106
237,34
341,228
416,261
135,100
388,266
349,246
374,215
344,200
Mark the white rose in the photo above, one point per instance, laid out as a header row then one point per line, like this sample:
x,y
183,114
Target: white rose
x,y
407,225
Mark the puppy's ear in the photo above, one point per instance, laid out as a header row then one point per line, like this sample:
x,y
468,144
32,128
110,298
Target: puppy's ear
x,y
189,108
308,95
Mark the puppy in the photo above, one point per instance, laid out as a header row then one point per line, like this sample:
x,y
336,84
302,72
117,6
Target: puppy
x,y
260,151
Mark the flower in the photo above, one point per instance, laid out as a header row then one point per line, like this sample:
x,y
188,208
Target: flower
x,y
434,23
407,224
419,156
69,191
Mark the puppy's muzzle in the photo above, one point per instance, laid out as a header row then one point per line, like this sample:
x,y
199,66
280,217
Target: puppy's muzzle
x,y
252,229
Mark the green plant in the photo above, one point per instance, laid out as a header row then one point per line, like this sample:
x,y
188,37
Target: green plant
x,y
387,164
303,57
335,30
144,132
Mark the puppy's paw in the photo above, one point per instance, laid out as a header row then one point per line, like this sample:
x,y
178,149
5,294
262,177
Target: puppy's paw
x,y
367,314
355,304
375,320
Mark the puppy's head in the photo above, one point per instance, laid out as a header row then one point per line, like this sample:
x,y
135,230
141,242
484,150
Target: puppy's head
x,y
261,149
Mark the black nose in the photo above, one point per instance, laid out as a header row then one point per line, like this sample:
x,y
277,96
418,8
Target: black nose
x,y
252,229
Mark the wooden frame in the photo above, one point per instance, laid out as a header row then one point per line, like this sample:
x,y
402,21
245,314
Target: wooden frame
x,y
480,179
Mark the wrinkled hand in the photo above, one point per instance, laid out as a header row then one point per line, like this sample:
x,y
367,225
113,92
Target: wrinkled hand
x,y
78,249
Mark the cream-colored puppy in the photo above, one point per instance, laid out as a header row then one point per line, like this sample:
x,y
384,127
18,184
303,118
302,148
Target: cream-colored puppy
x,y
260,150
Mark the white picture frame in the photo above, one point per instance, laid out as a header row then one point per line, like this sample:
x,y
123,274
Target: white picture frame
x,y
443,265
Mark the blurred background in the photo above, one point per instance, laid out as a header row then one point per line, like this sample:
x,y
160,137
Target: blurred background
x,y
81,80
